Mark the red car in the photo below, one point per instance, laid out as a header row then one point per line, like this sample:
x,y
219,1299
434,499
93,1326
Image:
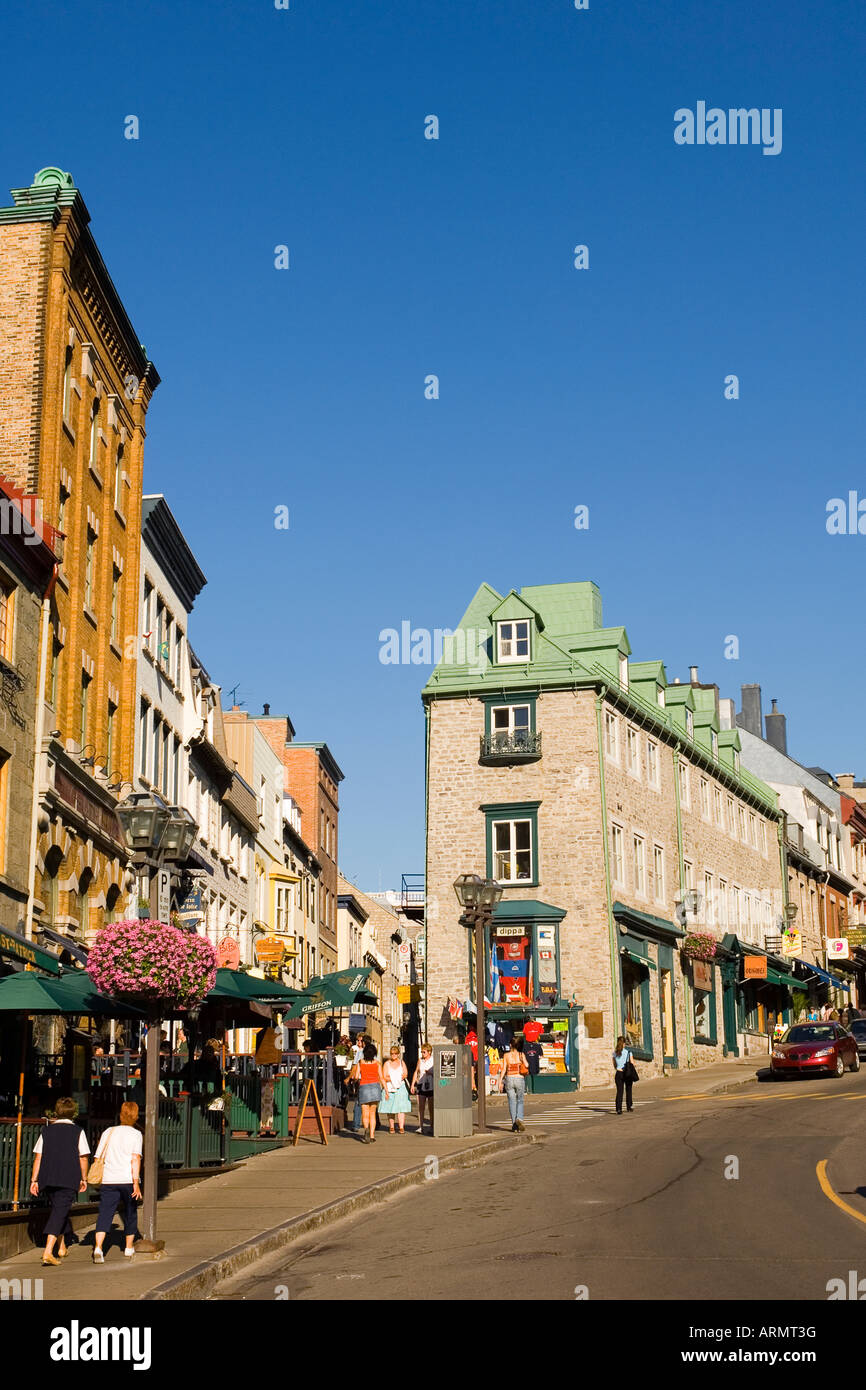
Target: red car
x,y
811,1047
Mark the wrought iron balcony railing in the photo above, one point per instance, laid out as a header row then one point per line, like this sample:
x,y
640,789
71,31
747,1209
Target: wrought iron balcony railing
x,y
521,746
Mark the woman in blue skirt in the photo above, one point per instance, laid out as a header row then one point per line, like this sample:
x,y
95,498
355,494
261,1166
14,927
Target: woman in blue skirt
x,y
396,1104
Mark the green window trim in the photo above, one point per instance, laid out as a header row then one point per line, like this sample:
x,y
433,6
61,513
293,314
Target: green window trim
x,y
511,811
707,1039
630,950
516,697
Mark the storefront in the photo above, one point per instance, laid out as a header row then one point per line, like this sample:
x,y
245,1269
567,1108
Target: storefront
x,y
766,993
525,993
16,952
645,973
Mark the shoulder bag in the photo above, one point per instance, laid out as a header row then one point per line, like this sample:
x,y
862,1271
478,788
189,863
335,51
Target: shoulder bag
x,y
97,1166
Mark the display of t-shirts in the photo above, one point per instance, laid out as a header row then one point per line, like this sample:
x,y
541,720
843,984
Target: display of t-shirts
x,y
503,1036
532,1051
533,1030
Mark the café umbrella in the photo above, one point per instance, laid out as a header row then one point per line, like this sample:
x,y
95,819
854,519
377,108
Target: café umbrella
x,y
73,994
336,991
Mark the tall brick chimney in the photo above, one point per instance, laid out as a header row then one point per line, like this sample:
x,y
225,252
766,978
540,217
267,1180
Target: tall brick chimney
x,y
750,717
777,729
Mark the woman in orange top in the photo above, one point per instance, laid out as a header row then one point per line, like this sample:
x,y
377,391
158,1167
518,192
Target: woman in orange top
x,y
514,1069
368,1073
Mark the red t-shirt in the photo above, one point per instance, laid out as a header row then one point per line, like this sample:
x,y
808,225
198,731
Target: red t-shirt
x,y
532,1031
472,1040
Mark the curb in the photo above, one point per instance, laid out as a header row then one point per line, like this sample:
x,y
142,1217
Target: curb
x,y
197,1282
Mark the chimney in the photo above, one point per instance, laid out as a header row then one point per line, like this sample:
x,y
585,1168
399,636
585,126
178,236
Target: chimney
x,y
750,717
846,781
676,680
266,711
693,675
727,714
776,726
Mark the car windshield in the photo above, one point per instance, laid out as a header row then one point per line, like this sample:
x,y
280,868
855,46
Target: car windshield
x,y
810,1032
858,1027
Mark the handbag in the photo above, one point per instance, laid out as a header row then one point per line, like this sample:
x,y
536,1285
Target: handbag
x,y
630,1071
97,1167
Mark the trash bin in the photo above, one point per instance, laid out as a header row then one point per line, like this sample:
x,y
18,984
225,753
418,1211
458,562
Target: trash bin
x,y
452,1091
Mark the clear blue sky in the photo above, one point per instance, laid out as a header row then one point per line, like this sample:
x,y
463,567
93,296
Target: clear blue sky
x,y
261,127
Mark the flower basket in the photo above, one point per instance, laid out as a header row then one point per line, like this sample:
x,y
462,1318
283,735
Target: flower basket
x,y
152,962
699,946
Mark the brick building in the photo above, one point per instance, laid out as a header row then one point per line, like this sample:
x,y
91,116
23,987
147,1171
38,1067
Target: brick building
x,y
312,778
613,809
76,385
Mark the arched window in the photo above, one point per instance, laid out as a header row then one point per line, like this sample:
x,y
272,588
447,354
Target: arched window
x,y
50,894
112,898
83,902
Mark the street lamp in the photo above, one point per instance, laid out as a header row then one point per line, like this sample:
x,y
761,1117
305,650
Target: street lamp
x,y
478,897
154,832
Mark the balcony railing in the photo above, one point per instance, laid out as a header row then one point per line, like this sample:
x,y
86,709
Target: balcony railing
x,y
521,746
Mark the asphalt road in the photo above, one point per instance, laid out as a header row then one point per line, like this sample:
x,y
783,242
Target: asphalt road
x,y
701,1198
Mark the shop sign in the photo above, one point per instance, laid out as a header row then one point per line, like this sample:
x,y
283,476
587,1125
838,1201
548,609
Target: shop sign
x,y
190,911
228,954
837,948
792,943
408,994
755,967
510,931
269,950
857,938
703,974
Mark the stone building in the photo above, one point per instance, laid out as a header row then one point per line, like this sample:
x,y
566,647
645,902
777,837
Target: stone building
x,y
613,809
76,385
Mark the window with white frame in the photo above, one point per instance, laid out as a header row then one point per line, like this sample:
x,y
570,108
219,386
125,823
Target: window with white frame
x,y
652,763
690,723
660,696
632,752
513,640
688,874
658,873
732,817
512,851
623,672
736,760
709,899
639,852
723,904
509,724
705,798
714,743
718,808
685,787
617,854
764,838
741,823
611,736
753,830
737,912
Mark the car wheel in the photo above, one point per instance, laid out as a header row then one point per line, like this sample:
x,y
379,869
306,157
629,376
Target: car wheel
x,y
840,1064
855,1065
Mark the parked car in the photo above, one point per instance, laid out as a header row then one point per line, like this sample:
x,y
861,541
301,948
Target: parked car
x,y
857,1028
814,1047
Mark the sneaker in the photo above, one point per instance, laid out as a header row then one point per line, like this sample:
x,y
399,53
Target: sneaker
x,y
98,1257
520,1126
514,1127
129,1254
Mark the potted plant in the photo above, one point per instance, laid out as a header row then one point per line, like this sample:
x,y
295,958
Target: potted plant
x,y
699,945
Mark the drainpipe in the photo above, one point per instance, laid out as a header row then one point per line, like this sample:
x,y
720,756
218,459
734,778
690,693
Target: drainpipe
x,y
37,755
605,835
682,872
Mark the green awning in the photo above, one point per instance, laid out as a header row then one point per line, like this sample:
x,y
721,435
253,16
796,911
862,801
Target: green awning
x,y
29,993
236,984
644,923
19,948
781,977
341,989
638,960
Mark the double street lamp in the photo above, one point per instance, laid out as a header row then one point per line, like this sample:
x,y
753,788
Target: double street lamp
x,y
154,832
478,898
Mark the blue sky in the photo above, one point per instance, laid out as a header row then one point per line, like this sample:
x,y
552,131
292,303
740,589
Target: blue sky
x,y
305,388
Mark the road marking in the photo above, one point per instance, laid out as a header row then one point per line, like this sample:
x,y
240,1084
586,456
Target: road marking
x,y
821,1171
570,1114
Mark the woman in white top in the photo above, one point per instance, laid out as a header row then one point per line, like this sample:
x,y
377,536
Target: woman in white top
x,y
120,1147
396,1104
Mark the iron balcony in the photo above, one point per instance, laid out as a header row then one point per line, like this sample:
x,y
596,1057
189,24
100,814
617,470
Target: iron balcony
x,y
521,746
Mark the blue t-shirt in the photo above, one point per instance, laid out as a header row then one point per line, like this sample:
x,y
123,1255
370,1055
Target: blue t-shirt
x,y
621,1059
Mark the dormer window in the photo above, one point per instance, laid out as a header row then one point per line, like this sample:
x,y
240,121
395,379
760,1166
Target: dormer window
x,y
714,743
660,696
623,672
690,723
736,761
513,640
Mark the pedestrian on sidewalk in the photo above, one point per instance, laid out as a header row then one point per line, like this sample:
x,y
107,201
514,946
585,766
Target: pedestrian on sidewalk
x,y
624,1070
371,1082
120,1149
59,1168
422,1085
396,1104
515,1071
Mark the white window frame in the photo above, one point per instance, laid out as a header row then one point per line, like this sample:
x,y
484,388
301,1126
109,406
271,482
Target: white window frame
x,y
653,770
685,787
659,873
617,854
515,658
611,735
512,823
638,849
705,798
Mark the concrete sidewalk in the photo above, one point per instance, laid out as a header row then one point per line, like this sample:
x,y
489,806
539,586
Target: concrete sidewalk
x,y
219,1226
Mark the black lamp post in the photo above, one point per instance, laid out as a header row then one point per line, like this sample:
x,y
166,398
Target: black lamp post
x,y
478,897
154,832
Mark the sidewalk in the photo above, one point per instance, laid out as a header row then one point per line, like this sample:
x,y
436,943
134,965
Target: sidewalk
x,y
224,1223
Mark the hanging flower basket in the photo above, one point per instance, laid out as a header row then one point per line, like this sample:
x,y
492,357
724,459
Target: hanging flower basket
x,y
153,962
699,945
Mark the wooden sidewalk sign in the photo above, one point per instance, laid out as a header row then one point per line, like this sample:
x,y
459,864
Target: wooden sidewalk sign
x,y
309,1090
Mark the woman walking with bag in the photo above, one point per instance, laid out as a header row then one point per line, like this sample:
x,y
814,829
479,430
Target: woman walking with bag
x,y
118,1169
59,1169
515,1071
625,1074
422,1085
368,1074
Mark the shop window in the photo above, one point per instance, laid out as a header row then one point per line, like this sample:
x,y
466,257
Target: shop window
x,y
704,1001
637,1024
